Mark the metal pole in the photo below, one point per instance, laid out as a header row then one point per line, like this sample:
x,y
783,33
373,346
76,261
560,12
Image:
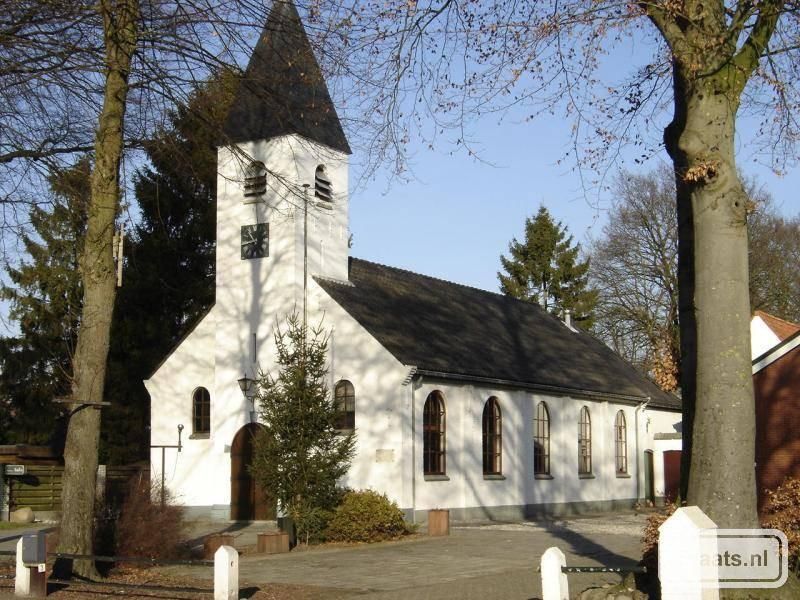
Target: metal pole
x,y
305,255
163,497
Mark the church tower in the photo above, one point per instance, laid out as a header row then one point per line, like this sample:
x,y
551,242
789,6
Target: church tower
x,y
282,204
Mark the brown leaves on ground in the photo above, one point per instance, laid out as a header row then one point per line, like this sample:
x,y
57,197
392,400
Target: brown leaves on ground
x,y
152,577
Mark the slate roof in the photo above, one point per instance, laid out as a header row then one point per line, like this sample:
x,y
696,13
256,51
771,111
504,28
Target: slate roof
x,y
283,91
450,330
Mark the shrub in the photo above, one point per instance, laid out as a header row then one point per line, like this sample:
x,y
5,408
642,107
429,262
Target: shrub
x,y
366,516
146,528
782,511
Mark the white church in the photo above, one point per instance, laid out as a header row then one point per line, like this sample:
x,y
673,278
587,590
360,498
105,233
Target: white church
x,y
460,398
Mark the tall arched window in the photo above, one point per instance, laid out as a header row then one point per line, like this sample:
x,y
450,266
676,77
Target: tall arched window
x,y
433,435
541,440
621,444
492,438
345,396
322,185
585,443
201,411
255,179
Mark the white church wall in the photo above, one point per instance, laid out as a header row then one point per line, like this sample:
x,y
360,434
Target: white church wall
x,y
382,401
171,388
519,491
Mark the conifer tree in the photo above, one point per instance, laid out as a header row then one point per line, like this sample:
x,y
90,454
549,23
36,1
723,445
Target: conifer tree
x,y
299,456
545,268
168,282
45,299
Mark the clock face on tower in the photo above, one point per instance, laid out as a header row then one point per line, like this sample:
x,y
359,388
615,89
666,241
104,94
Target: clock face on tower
x,y
255,241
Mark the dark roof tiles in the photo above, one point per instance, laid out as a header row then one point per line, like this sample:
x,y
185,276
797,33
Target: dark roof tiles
x,y
283,90
443,327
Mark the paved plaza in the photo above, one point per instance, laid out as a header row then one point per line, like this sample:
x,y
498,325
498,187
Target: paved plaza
x,y
480,561
474,562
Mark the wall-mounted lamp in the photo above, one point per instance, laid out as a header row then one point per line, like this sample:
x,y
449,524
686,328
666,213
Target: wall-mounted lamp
x,y
248,387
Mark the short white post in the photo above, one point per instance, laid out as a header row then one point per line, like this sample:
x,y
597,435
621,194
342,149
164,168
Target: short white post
x,y
30,581
554,580
226,574
687,555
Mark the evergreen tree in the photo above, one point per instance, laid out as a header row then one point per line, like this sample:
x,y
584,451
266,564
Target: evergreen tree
x,y
168,283
45,299
299,455
546,269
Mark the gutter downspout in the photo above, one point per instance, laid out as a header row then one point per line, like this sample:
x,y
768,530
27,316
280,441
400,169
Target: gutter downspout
x,y
413,379
640,407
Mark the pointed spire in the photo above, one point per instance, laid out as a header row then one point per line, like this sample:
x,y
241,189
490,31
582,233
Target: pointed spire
x,y
282,90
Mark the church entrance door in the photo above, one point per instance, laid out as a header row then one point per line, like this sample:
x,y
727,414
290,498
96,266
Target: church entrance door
x,y
248,501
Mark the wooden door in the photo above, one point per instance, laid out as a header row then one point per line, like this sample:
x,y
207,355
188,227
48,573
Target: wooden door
x,y
672,474
248,501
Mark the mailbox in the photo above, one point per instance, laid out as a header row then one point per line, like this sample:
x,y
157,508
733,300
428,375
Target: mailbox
x,y
34,549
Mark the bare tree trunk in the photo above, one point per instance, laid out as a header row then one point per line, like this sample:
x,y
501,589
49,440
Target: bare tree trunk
x,y
97,271
714,302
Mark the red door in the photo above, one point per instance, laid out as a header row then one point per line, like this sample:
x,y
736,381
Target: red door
x,y
672,474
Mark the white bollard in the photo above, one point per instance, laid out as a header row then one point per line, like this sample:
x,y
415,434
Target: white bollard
x,y
687,554
29,582
554,581
226,573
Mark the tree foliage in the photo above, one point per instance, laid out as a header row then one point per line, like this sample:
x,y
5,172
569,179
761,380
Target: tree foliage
x,y
545,268
45,302
635,269
168,281
774,253
299,456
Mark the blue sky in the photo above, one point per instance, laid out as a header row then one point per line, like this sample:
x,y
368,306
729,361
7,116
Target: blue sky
x,y
459,214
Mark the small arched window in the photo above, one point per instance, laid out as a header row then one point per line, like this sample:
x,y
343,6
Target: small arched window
x,y
492,438
621,444
322,185
345,396
201,411
585,443
433,435
541,440
255,179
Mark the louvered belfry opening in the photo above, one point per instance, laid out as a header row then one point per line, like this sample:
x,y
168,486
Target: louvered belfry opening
x,y
255,179
322,185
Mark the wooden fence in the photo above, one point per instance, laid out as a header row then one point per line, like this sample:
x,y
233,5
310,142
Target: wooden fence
x,y
40,487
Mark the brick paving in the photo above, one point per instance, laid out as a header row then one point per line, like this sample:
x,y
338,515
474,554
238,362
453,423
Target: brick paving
x,y
475,562
480,562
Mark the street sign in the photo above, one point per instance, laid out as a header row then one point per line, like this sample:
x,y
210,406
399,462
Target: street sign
x,y
14,470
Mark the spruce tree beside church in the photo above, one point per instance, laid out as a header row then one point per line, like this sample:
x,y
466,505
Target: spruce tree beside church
x,y
300,455
45,302
546,269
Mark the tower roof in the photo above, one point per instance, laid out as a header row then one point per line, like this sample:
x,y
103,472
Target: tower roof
x,y
282,90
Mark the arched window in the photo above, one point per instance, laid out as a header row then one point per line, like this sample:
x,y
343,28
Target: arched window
x,y
322,185
541,440
201,411
621,444
433,435
492,438
255,179
585,443
345,396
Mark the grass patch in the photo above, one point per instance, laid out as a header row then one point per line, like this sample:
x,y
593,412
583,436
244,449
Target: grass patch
x,y
4,525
